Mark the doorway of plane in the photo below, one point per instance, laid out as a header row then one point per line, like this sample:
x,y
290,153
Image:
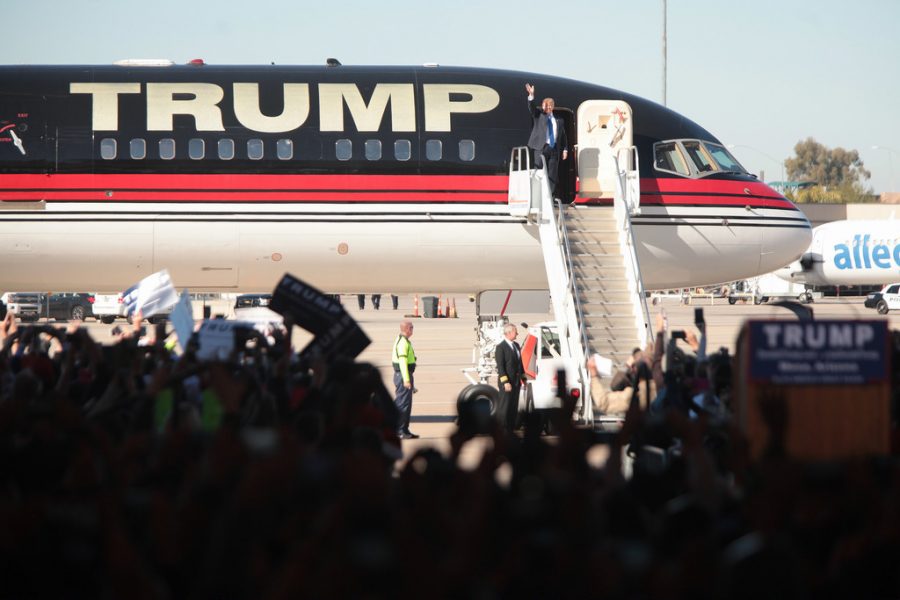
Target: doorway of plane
x,y
567,186
604,127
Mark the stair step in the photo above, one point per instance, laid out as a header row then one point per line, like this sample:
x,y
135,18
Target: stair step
x,y
589,231
593,251
612,292
606,259
606,306
619,302
592,244
591,287
612,333
609,272
620,310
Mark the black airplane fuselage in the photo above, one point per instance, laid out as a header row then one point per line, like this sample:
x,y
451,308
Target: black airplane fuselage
x,y
352,178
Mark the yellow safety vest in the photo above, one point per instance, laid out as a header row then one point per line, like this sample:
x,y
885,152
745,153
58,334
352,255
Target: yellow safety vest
x,y
403,355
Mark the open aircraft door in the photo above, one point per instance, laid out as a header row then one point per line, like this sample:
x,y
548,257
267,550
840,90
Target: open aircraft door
x,y
604,127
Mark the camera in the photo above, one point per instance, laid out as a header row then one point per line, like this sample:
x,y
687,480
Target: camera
x,y
678,334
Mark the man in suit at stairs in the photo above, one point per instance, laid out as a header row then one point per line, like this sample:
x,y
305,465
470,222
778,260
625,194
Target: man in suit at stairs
x,y
510,374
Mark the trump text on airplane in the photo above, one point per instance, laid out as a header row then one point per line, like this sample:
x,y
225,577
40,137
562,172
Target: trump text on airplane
x,y
206,103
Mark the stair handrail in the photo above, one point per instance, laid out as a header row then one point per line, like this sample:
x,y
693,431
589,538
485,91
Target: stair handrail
x,y
624,206
570,268
522,202
579,351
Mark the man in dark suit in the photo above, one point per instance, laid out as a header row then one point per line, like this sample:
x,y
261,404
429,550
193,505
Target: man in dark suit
x,y
548,136
510,374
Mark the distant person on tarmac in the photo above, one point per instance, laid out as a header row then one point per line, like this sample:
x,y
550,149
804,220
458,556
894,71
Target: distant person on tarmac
x,y
548,137
403,359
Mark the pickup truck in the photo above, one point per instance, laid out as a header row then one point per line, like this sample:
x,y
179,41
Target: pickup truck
x,y
25,305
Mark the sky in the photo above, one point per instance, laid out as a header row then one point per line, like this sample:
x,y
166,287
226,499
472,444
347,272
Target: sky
x,y
760,75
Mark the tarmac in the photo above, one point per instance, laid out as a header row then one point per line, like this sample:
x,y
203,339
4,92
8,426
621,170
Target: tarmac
x,y
444,346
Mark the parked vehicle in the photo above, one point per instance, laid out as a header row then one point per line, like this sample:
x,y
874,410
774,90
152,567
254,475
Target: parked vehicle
x,y
109,307
31,306
255,308
770,287
885,300
543,362
25,305
77,306
252,301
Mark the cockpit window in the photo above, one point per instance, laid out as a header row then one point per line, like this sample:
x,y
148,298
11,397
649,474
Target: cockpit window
x,y
670,158
724,159
702,161
694,158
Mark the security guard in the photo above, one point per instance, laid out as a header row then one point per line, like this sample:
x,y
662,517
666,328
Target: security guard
x,y
404,360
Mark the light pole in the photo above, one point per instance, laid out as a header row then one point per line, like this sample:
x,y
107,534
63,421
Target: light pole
x,y
664,52
780,163
890,152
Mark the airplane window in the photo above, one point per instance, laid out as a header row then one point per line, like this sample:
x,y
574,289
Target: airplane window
x,y
373,149
402,150
255,149
107,148
724,158
196,149
343,149
284,149
137,148
226,149
669,158
167,149
466,150
698,156
433,150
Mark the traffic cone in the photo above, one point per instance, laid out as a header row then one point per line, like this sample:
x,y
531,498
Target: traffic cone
x,y
453,314
447,308
440,300
415,306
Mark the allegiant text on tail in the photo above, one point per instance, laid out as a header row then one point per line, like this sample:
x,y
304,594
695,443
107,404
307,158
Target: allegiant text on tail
x,y
863,255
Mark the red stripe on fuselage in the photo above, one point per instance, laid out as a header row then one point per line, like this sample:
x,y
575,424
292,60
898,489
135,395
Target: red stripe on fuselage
x,y
254,196
707,186
350,188
267,182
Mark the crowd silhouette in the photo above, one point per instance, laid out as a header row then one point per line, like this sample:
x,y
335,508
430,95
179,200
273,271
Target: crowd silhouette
x,y
129,471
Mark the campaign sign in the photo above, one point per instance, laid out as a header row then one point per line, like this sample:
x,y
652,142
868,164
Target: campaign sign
x,y
152,295
216,338
342,338
818,352
182,319
311,309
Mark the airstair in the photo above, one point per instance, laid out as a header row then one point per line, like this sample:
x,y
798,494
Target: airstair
x,y
593,272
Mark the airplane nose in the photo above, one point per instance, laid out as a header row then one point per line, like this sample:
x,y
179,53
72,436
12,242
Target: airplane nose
x,y
785,243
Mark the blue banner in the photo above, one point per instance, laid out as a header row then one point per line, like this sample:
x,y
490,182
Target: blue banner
x,y
818,352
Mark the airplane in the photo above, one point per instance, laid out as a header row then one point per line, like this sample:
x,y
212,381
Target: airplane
x,y
352,178
849,252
